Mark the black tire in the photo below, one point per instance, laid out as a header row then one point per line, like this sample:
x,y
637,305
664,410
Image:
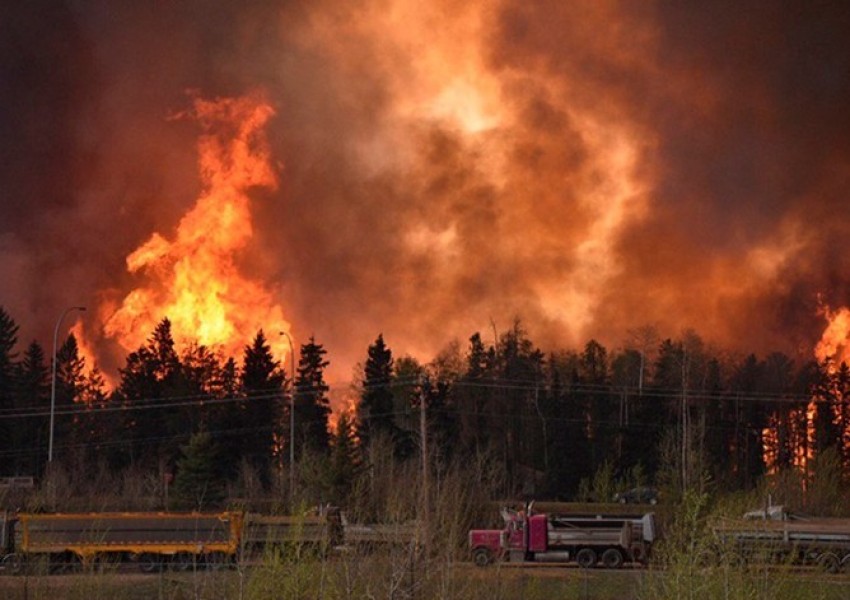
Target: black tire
x,y
150,563
482,557
215,561
182,562
15,563
67,562
108,562
612,558
829,562
586,558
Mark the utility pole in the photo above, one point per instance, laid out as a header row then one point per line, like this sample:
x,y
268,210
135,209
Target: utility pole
x,y
291,423
53,379
423,436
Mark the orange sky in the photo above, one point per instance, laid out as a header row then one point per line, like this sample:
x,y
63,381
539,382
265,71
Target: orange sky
x,y
427,169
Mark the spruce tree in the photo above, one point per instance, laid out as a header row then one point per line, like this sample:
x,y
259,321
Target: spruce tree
x,y
312,407
472,395
375,411
32,396
150,376
262,388
8,340
199,483
345,459
70,389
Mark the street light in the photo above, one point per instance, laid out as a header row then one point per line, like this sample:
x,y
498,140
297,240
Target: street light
x,y
291,420
53,379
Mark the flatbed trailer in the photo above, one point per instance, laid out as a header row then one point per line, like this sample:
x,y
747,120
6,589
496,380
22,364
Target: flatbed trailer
x,y
777,535
319,533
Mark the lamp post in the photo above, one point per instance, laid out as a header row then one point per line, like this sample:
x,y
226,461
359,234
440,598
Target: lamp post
x,y
291,420
53,379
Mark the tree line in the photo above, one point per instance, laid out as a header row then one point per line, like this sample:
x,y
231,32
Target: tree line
x,y
672,412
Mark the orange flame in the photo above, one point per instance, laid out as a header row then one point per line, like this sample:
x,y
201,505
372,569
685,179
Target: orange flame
x,y
194,280
833,347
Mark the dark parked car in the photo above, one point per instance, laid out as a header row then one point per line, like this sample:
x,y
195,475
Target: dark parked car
x,y
638,495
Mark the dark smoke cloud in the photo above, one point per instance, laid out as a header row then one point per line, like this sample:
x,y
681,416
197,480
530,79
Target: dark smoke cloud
x,y
392,220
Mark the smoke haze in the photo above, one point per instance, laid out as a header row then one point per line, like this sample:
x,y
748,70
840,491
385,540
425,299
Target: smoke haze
x,y
589,167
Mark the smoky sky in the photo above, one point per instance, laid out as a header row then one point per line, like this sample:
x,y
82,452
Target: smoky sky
x,y
587,167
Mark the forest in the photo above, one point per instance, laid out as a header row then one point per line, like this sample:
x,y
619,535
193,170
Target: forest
x,y
565,425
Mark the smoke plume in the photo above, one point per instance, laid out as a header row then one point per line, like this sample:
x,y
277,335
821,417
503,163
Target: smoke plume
x,y
587,166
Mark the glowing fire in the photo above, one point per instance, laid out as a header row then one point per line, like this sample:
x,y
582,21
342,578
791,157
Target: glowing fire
x,y
194,279
833,347
799,425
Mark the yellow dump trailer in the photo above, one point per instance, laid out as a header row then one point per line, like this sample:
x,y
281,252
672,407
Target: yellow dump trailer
x,y
154,540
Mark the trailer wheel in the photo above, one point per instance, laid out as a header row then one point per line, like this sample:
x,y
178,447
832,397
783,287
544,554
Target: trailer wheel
x,y
482,557
216,561
829,562
66,562
182,561
612,558
150,563
586,558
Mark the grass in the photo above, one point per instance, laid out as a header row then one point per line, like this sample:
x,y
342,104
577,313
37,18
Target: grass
x,y
392,576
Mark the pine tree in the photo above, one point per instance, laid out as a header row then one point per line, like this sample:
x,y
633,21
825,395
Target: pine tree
x,y
520,367
312,407
443,423
263,383
748,464
568,444
151,375
472,397
375,411
407,390
593,376
226,420
8,340
69,434
32,396
345,459
199,482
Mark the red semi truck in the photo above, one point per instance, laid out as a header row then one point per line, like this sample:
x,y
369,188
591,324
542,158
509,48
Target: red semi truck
x,y
607,540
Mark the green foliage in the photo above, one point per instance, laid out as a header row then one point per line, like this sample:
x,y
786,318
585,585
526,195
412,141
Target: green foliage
x,y
312,407
199,483
375,416
345,460
259,415
32,394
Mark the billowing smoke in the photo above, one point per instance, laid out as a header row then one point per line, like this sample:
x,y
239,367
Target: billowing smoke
x,y
586,166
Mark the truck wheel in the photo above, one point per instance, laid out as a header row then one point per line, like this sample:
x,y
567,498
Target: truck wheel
x,y
612,559
15,563
829,562
586,558
482,557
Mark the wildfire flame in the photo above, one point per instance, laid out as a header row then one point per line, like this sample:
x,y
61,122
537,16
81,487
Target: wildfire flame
x,y
194,279
832,349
